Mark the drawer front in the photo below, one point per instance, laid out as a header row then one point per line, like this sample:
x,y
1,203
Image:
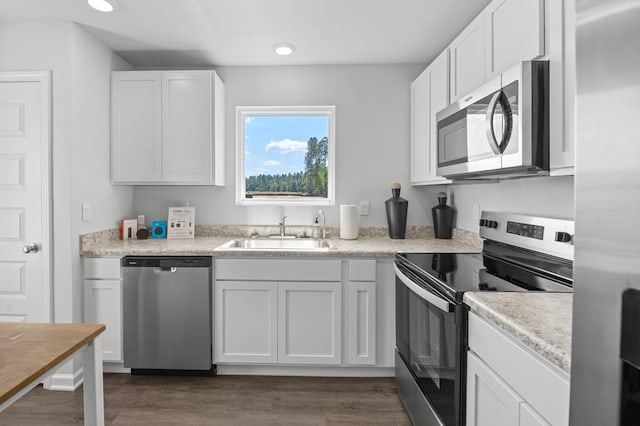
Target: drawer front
x,y
362,270
542,385
278,269
101,267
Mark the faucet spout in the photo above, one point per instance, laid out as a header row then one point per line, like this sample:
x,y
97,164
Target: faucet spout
x,y
282,227
323,229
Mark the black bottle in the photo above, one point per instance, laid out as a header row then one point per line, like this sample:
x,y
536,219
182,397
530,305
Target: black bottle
x,y
396,213
442,217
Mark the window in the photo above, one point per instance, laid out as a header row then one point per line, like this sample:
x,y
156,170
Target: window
x,y
285,155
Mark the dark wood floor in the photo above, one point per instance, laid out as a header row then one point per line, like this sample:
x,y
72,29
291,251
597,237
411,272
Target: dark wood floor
x,y
221,400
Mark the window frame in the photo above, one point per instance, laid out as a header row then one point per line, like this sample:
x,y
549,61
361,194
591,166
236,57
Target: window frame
x,y
242,112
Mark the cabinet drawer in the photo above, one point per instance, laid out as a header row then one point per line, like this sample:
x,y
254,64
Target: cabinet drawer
x,y
101,267
362,270
543,386
278,269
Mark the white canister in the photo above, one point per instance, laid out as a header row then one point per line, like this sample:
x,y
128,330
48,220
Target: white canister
x,y
349,221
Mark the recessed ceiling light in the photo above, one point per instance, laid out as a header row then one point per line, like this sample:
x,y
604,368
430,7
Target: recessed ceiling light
x,y
284,49
102,5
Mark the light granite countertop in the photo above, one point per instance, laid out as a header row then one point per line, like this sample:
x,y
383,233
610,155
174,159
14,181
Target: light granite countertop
x,y
372,242
541,321
364,247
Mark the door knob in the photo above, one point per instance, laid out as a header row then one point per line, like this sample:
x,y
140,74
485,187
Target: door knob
x,y
30,248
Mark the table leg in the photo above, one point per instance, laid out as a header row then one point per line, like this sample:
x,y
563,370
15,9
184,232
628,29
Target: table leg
x,y
93,386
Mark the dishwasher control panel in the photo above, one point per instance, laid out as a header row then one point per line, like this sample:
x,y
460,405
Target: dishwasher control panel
x,y
166,261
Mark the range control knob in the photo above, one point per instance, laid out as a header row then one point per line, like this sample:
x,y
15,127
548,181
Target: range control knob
x,y
483,222
492,224
563,237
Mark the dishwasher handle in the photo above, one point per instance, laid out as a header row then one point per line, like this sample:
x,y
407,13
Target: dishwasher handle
x,y
165,270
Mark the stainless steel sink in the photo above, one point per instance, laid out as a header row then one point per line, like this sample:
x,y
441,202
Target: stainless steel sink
x,y
297,244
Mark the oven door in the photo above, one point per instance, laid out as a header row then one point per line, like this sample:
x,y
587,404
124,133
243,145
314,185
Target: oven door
x,y
431,345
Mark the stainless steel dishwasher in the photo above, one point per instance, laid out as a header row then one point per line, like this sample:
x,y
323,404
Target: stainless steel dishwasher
x,y
167,314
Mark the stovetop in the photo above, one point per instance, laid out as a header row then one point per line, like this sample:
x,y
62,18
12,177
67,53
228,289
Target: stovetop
x,y
453,274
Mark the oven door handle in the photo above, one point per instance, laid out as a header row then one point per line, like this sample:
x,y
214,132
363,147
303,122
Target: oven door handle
x,y
436,301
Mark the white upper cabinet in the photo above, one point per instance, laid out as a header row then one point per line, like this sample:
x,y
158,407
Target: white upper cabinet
x,y
514,33
136,126
562,81
167,128
429,94
468,59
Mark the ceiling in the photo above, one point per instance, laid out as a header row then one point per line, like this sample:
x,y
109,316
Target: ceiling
x,y
150,33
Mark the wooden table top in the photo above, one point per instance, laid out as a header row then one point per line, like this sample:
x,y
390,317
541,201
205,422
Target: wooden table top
x,y
27,351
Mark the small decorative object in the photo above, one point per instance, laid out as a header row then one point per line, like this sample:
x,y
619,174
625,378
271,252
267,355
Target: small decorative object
x,y
396,213
181,223
159,229
128,229
442,217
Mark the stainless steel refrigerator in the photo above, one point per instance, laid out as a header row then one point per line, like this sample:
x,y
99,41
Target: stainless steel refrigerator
x,y
605,369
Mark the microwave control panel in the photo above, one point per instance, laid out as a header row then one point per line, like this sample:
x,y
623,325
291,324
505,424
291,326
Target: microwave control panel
x,y
525,230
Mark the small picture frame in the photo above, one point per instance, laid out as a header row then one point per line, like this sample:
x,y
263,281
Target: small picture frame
x,y
181,223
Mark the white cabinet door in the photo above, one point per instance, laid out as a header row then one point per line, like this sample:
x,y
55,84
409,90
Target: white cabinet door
x,y
309,323
362,322
167,128
245,323
468,59
490,402
529,417
562,81
186,126
429,95
136,126
514,33
103,305
438,100
420,129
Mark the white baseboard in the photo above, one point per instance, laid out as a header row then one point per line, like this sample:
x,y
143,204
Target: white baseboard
x,y
280,370
288,370
64,381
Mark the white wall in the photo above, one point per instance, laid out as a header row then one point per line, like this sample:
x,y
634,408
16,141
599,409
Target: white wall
x,y
540,196
80,68
372,151
89,153
372,141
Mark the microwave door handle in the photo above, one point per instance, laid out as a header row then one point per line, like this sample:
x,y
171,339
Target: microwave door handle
x,y
499,147
436,301
491,134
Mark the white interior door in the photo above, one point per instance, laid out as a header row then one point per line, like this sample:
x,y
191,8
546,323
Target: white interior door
x,y
25,115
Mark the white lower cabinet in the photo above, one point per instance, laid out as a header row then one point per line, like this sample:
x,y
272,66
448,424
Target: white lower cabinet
x,y
309,323
295,312
510,385
246,321
103,302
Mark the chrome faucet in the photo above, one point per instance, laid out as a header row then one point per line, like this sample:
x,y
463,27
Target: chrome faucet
x,y
282,227
324,223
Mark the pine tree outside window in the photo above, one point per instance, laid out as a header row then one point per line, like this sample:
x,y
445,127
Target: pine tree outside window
x,y
285,155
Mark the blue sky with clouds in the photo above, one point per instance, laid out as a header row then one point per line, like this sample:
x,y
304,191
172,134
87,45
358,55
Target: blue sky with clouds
x,y
277,144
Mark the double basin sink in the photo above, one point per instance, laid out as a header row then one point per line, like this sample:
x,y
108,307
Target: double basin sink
x,y
285,244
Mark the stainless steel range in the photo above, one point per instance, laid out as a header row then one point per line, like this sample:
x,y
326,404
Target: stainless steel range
x,y
520,253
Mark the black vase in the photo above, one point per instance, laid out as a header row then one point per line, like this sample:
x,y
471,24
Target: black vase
x,y
442,217
396,213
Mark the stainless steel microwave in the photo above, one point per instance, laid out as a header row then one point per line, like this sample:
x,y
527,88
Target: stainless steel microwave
x,y
500,130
